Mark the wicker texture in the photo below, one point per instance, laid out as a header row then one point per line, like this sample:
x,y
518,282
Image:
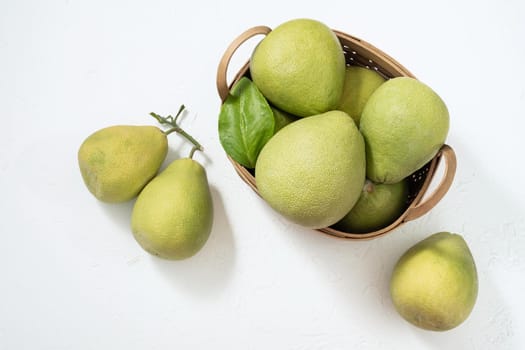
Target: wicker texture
x,y
358,52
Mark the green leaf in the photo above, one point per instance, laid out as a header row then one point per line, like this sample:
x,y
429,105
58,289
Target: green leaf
x,y
246,123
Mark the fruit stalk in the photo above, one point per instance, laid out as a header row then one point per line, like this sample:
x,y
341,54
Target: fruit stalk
x,y
172,121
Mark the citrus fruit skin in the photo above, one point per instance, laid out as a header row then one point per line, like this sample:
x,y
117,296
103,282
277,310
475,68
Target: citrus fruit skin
x,y
404,124
118,161
282,118
312,171
434,284
378,206
173,215
299,67
359,84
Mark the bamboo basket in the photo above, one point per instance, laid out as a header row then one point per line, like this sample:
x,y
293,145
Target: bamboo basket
x,y
361,53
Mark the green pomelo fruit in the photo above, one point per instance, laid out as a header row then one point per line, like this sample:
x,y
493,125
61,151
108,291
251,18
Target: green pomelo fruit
x,y
173,215
299,67
378,206
281,118
313,170
434,285
360,83
118,161
404,124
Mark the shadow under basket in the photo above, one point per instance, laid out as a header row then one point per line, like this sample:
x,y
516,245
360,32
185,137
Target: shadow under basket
x,y
359,53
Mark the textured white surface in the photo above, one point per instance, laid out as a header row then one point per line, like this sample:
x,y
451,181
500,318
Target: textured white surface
x,y
74,278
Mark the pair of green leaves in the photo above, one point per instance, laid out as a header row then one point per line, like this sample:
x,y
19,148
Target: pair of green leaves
x,y
246,123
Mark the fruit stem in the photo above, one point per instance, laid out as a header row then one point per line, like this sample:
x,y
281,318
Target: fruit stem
x,y
369,186
171,121
193,149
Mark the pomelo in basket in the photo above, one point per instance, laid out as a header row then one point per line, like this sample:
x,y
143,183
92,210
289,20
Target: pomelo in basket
x,y
312,171
378,206
404,124
300,67
360,83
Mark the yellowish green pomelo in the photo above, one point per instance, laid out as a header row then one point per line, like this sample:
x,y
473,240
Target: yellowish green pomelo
x,y
378,206
173,215
359,84
299,67
404,124
434,284
118,161
312,171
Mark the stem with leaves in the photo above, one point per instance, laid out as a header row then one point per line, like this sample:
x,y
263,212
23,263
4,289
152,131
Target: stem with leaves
x,y
174,127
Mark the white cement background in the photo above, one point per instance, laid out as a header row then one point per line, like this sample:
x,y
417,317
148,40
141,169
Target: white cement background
x,y
72,277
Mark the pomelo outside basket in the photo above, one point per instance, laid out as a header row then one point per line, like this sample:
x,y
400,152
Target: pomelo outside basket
x,y
358,52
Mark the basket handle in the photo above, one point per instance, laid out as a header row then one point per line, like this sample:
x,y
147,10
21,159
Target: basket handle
x,y
424,207
222,84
